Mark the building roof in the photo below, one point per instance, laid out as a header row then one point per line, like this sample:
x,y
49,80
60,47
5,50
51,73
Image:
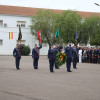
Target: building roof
x,y
28,11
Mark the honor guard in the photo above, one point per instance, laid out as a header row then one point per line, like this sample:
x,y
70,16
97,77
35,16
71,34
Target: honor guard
x,y
17,55
69,54
75,56
35,55
51,57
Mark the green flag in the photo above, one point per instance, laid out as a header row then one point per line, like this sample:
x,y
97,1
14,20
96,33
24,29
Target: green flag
x,y
57,33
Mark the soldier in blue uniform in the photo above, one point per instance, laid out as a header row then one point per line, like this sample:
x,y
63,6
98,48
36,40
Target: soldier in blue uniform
x,y
35,55
96,53
69,54
75,57
17,55
51,57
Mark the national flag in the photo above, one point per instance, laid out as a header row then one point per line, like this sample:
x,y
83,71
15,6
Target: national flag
x,y
76,36
10,35
57,33
20,34
39,35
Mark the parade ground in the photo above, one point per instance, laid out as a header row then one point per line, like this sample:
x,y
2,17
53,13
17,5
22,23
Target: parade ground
x,y
29,84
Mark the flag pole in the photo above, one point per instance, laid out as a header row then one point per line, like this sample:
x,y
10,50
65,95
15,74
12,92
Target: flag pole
x,y
20,48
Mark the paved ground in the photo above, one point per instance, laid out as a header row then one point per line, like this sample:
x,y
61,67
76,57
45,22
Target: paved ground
x,y
30,84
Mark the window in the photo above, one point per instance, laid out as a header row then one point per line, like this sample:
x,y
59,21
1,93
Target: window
x,y
5,25
1,23
21,23
1,42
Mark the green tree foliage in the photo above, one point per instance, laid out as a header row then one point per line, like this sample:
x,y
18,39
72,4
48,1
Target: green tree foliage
x,y
68,22
46,21
90,28
25,51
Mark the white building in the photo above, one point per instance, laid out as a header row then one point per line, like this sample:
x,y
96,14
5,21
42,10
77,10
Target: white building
x,y
9,22
10,18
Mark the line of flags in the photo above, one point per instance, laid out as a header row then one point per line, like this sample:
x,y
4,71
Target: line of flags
x,y
38,35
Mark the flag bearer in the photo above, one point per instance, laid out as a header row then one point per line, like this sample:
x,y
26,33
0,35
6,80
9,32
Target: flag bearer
x,y
35,55
17,55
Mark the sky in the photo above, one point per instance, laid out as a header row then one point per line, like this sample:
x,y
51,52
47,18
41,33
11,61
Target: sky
x,y
79,5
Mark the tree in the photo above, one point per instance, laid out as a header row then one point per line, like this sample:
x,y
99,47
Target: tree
x,y
69,24
90,30
46,21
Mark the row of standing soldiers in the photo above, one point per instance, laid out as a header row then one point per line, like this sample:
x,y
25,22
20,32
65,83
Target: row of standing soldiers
x,y
71,53
91,55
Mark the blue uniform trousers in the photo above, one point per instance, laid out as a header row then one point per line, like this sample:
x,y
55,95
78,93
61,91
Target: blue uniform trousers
x,y
68,63
74,62
35,63
51,62
17,62
56,66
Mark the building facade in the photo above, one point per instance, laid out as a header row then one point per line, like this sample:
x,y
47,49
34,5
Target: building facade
x,y
10,23
10,19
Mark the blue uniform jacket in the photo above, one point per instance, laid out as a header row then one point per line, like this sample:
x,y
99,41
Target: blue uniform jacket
x,y
35,52
96,52
69,51
16,52
51,54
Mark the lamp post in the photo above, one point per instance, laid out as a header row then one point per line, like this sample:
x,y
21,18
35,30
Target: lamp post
x,y
97,4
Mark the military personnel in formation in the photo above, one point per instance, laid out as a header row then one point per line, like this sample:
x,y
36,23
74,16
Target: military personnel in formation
x,y
69,54
35,55
17,55
96,54
51,57
75,57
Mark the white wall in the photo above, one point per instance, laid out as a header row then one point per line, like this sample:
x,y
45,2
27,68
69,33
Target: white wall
x,y
8,45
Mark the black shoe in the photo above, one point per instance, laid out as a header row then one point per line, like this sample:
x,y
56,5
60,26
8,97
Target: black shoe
x,y
56,68
18,68
75,68
52,71
69,71
35,68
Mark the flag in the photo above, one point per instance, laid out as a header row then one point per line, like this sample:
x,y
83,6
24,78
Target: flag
x,y
20,34
76,36
39,36
10,35
57,33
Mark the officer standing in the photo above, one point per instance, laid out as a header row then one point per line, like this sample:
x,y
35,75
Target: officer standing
x,y
75,56
96,53
69,54
51,57
17,55
35,55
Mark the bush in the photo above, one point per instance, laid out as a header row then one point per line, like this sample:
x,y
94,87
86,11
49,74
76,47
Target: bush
x,y
25,51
